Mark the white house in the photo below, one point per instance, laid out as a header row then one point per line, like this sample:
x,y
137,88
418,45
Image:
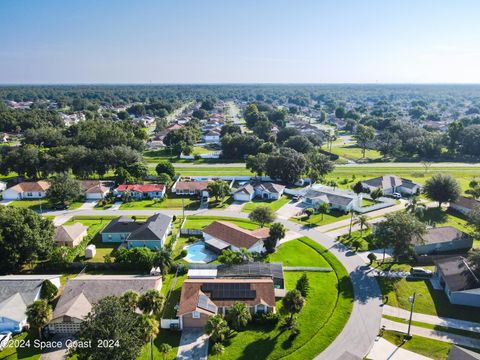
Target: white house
x,y
221,235
337,199
27,190
213,136
263,190
391,184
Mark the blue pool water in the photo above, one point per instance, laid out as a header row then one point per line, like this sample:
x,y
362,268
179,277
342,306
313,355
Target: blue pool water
x,y
197,253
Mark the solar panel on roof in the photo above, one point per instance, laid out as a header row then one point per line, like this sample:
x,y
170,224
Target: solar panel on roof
x,y
225,291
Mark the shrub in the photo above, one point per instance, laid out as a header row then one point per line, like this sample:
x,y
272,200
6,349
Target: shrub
x,y
266,319
183,253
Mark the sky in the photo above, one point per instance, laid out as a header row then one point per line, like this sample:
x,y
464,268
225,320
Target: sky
x,y
239,41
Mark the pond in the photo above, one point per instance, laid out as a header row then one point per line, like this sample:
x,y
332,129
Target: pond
x,y
198,253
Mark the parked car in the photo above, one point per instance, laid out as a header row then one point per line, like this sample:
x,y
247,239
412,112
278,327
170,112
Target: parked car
x,y
397,195
4,339
61,207
418,271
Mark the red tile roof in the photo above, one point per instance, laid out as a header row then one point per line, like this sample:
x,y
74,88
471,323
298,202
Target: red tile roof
x,y
141,188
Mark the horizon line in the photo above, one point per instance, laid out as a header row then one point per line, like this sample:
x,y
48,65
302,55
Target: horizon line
x,y
234,83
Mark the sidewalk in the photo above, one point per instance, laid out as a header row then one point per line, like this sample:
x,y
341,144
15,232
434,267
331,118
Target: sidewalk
x,y
432,334
431,319
385,350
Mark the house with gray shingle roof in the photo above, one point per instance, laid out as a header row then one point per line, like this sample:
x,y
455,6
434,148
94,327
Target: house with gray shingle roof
x,y
262,190
391,184
337,199
442,239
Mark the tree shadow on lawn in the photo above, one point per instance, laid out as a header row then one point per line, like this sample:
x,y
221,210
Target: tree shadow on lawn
x,y
365,287
433,215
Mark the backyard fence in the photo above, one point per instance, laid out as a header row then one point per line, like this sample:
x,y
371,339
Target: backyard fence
x,y
190,232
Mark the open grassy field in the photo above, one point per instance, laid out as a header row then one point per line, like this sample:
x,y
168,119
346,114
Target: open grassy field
x,y
199,222
353,152
330,292
273,204
298,253
433,349
213,171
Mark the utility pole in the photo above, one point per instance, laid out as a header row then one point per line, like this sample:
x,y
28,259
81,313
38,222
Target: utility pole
x,y
412,302
183,208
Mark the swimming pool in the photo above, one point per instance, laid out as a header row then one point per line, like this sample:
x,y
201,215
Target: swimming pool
x,y
197,253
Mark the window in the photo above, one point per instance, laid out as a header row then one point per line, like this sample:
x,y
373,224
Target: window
x,y
29,194
195,315
110,236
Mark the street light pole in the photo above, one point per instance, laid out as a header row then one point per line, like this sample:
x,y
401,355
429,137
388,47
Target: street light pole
x,y
412,302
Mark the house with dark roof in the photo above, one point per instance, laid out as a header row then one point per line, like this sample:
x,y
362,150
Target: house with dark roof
x,y
16,293
27,190
82,292
464,204
337,199
152,233
142,191
390,184
459,281
262,190
222,235
442,239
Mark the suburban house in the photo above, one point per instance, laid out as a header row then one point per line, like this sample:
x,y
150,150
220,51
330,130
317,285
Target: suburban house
x,y
152,233
212,136
458,280
391,184
190,187
442,239
27,190
95,189
262,190
202,298
82,292
16,293
464,204
70,235
221,235
337,199
146,191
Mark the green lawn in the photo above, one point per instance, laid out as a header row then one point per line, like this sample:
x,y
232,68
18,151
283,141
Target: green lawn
x,y
322,219
429,301
363,238
199,222
169,311
32,204
24,353
298,253
217,204
433,349
165,336
273,204
171,202
330,292
354,152
213,171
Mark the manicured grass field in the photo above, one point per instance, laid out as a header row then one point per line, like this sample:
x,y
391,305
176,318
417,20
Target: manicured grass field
x,y
21,353
297,253
330,292
430,301
171,202
273,204
433,349
354,152
322,219
217,204
199,222
164,336
213,171
34,205
357,235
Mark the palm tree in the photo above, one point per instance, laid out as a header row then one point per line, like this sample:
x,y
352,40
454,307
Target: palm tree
x,y
130,299
217,328
293,302
414,205
323,209
376,193
245,254
218,349
164,348
39,314
150,326
238,316
150,302
362,220
164,260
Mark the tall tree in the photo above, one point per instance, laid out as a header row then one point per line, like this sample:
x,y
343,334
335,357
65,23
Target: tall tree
x,y
362,220
364,136
130,299
442,188
293,303
257,163
217,328
218,189
165,167
262,214
277,232
150,302
39,314
63,189
303,285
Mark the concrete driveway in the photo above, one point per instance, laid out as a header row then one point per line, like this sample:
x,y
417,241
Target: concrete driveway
x,y
88,205
193,345
236,206
290,209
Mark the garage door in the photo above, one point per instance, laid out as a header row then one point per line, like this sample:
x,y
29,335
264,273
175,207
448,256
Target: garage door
x,y
66,328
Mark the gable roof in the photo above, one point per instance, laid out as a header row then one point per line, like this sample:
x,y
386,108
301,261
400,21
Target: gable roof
x,y
466,202
270,187
122,224
245,189
389,181
235,235
333,197
16,295
143,188
457,274
68,233
82,292
261,291
154,228
94,186
38,186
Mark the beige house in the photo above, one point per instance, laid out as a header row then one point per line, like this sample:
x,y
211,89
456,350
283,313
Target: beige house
x,y
70,235
27,190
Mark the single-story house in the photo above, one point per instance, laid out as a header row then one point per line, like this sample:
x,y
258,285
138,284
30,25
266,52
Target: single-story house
x,y
212,136
16,293
391,184
70,235
82,292
190,187
27,190
337,199
95,189
146,191
152,233
202,298
464,204
221,235
457,278
263,190
442,239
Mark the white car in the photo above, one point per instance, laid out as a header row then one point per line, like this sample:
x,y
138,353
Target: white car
x,y
397,195
4,339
